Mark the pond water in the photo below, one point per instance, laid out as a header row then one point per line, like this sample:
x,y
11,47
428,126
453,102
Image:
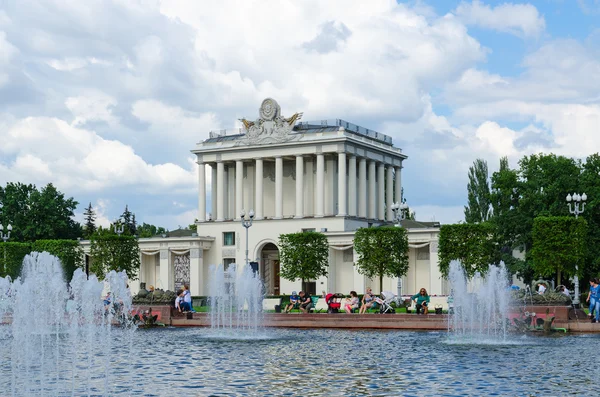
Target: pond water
x,y
297,362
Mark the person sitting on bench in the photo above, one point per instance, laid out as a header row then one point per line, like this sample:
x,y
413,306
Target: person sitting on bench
x,y
368,301
422,301
294,302
305,302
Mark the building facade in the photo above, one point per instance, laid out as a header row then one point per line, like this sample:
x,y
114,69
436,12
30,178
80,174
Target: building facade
x,y
329,176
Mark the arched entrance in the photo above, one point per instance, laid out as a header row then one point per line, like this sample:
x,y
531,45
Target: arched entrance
x,y
269,268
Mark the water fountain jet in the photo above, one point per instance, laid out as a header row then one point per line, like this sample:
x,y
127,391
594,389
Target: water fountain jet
x,y
481,305
235,300
61,338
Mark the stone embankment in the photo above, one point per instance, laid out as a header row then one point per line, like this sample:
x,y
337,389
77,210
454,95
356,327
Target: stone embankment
x,y
430,322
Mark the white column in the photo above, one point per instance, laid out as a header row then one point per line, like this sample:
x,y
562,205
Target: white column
x,y
362,187
201,192
320,185
352,186
213,191
299,187
239,183
372,202
398,184
389,200
342,193
381,191
196,271
166,281
220,191
278,187
259,190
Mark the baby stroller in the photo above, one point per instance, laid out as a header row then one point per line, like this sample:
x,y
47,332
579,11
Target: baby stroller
x,y
333,302
387,297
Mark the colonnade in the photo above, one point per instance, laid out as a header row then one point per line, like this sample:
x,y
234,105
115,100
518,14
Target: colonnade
x,y
362,184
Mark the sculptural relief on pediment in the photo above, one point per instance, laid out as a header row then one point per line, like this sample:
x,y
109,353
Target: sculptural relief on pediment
x,y
270,127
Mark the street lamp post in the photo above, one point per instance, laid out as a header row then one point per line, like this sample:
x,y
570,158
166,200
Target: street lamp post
x,y
5,237
577,200
119,229
247,223
399,210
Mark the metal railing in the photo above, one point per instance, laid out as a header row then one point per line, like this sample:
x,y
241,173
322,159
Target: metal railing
x,y
304,125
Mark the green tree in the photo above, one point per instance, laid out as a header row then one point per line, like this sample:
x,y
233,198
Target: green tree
x,y
89,217
382,251
38,214
113,252
544,181
147,230
11,258
559,246
127,219
590,184
478,193
506,217
303,256
474,245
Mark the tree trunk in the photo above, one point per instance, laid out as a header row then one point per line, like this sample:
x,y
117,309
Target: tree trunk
x,y
558,277
380,283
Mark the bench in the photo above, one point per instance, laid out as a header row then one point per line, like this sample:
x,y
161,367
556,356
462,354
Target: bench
x,y
434,301
270,303
319,304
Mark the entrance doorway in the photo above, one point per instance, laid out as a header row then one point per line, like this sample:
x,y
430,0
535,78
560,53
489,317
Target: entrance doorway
x,y
269,269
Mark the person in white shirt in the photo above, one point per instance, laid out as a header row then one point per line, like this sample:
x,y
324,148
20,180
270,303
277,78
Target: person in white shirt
x,y
179,300
541,288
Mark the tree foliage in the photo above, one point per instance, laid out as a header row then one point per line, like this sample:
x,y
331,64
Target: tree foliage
x,y
382,251
69,252
478,193
559,245
147,230
38,214
11,258
110,251
538,188
127,219
89,218
303,256
589,181
474,245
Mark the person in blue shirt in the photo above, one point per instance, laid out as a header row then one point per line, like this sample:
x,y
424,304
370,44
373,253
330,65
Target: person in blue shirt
x,y
422,301
594,300
294,302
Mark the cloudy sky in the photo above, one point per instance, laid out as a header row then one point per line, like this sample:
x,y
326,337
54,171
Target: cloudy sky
x,y
105,99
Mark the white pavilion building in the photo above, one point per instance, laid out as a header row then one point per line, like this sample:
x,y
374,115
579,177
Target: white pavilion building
x,y
329,176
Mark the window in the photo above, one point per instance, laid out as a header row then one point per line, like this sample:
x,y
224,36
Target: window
x,y
308,230
228,238
227,262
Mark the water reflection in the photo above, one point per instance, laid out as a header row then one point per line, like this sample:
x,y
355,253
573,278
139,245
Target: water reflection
x,y
297,362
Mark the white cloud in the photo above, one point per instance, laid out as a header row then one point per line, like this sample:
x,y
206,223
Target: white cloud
x,y
521,20
100,208
167,120
110,103
50,150
94,106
